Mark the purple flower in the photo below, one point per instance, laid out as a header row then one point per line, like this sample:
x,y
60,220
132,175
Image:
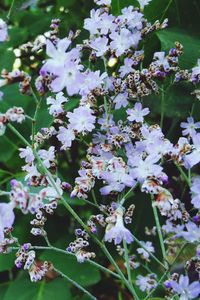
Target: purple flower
x,y
190,126
137,113
185,290
118,232
3,31
7,217
81,119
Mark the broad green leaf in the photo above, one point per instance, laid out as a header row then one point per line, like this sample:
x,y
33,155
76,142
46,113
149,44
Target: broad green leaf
x,y
22,288
84,274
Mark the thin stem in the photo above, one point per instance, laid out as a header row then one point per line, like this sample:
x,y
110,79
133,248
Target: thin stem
x,y
10,10
166,273
150,254
162,245
126,195
94,198
186,178
128,268
165,11
75,284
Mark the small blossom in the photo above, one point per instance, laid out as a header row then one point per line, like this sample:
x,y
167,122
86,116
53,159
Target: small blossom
x,y
146,283
147,245
190,126
81,119
56,107
103,2
137,113
27,154
143,3
47,156
65,136
185,290
3,31
100,45
7,217
117,232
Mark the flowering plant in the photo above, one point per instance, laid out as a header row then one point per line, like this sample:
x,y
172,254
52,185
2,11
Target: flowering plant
x,y
99,156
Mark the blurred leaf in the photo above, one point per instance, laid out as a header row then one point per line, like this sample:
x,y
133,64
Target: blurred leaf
x,y
84,274
22,288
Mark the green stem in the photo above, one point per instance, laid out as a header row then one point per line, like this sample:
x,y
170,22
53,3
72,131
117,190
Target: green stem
x,y
159,230
10,10
94,198
75,284
129,269
165,11
150,254
186,178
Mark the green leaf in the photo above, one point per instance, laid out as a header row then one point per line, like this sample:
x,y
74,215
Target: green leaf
x,y
22,288
190,43
6,261
84,274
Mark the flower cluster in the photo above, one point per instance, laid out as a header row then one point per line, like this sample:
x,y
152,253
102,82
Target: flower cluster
x,y
94,95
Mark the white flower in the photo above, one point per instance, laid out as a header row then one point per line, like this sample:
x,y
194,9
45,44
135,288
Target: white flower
x,y
137,114
65,136
103,2
27,154
100,45
146,283
147,245
6,217
117,232
47,156
56,107
81,119
31,171
190,126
